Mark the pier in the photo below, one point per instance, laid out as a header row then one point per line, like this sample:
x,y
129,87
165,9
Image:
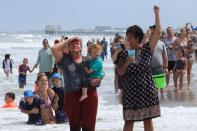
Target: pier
x,y
86,33
97,31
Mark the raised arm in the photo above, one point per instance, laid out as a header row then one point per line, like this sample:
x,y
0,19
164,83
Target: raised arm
x,y
57,49
157,33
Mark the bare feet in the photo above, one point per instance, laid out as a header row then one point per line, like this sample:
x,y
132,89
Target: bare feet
x,y
83,97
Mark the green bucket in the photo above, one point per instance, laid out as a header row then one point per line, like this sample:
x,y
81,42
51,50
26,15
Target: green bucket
x,y
160,81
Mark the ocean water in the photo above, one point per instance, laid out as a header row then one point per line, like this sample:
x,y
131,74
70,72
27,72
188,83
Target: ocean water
x,y
109,118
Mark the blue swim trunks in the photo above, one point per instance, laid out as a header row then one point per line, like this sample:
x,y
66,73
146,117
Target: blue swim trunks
x,y
22,81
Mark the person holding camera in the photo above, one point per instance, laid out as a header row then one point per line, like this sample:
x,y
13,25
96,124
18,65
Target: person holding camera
x,y
120,44
116,45
139,97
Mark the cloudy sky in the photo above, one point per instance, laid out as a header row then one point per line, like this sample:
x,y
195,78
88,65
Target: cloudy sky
x,y
22,15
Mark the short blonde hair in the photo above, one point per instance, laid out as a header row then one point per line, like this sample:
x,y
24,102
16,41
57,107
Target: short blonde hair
x,y
94,47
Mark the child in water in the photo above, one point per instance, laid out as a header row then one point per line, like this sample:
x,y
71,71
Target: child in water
x,y
59,91
30,105
180,67
9,100
95,66
7,65
22,70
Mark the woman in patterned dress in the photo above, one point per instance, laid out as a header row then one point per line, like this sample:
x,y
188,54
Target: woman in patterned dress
x,y
140,97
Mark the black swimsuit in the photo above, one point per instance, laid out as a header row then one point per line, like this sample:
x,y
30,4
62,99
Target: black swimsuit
x,y
180,65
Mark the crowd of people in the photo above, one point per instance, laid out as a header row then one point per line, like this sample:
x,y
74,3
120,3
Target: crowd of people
x,y
173,55
137,58
77,101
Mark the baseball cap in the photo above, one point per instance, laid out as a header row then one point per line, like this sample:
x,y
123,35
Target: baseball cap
x,y
56,75
28,93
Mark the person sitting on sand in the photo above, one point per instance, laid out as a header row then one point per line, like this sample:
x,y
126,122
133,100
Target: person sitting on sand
x,y
59,91
22,70
50,99
9,100
30,105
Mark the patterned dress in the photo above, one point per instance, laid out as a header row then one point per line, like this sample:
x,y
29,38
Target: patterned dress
x,y
140,97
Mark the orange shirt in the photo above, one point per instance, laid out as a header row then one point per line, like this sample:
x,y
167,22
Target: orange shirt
x,y
9,105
